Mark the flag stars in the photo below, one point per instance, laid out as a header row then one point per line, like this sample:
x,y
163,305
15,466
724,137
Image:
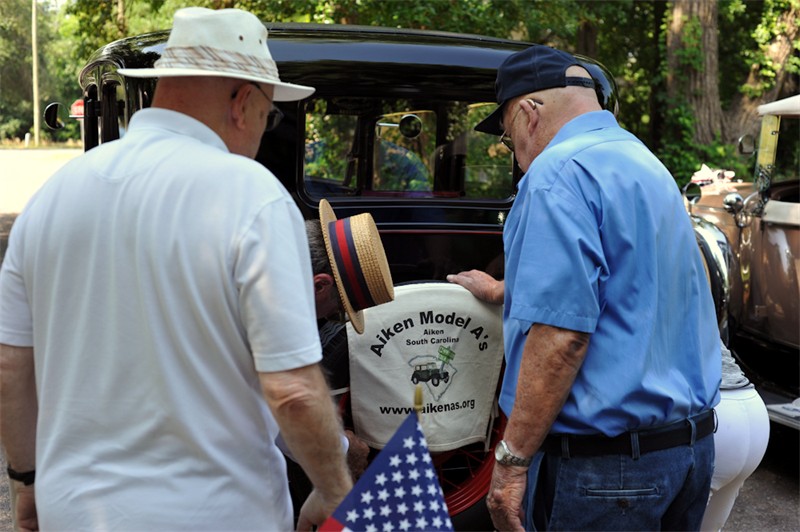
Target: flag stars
x,y
429,474
405,524
411,459
366,497
422,523
385,510
369,513
434,505
380,479
419,507
371,528
413,474
402,508
426,458
437,522
352,516
408,443
383,495
400,492
388,526
395,461
416,491
397,476
432,490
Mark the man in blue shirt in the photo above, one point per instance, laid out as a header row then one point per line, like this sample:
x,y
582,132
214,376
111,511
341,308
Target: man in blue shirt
x,y
612,349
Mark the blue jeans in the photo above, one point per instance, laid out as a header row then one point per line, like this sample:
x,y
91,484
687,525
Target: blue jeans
x,y
661,490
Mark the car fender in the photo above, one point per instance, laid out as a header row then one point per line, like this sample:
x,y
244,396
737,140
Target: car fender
x,y
718,261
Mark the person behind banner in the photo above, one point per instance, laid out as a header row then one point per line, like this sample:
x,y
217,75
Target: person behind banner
x,y
157,318
332,286
612,349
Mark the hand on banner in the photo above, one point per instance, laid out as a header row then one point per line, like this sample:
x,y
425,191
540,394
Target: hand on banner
x,y
481,284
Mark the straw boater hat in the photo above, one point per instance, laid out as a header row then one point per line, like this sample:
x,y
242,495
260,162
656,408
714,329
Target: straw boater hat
x,y
358,261
228,43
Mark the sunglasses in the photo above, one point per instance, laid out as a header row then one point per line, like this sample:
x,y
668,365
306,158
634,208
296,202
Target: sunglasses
x,y
274,116
505,138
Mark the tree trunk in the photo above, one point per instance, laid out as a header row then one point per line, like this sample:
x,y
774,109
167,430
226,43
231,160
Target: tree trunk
x,y
657,107
121,16
692,57
587,39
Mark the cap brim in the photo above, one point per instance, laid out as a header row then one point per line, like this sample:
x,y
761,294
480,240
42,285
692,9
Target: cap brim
x,y
284,92
491,124
326,216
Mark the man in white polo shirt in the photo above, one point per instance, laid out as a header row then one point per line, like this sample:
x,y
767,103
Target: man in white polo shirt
x,y
157,322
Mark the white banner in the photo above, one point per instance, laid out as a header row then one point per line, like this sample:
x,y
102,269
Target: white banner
x,y
437,335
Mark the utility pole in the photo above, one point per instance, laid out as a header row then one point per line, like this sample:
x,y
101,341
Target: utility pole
x,y
35,62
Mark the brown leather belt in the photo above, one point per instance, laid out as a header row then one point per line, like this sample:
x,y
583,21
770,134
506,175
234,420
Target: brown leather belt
x,y
633,443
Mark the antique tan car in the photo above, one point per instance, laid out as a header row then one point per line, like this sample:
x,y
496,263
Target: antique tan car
x,y
755,267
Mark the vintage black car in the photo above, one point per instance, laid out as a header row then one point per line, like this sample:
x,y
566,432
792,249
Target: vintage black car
x,y
388,131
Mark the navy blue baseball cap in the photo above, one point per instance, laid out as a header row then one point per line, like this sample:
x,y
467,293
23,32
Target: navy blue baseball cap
x,y
533,69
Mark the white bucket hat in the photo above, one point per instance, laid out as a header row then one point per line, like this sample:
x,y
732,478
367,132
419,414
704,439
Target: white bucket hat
x,y
228,43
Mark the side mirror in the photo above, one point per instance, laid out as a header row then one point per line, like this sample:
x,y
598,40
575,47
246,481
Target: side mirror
x,y
733,203
692,192
410,126
747,145
55,115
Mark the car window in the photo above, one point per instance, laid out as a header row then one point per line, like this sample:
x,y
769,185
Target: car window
x,y
787,154
403,148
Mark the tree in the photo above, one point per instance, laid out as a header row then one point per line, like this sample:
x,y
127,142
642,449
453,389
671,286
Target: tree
x,y
692,65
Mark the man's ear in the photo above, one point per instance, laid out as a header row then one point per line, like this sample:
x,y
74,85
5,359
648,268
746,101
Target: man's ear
x,y
533,115
239,105
323,282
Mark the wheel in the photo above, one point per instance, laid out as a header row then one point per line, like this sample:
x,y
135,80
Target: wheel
x,y
435,381
415,379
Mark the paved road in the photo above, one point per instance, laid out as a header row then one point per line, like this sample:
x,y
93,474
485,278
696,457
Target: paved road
x,y
769,500
22,172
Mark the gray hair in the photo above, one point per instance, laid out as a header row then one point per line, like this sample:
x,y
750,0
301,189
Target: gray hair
x,y
316,245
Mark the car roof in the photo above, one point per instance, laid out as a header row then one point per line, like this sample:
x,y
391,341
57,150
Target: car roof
x,y
786,107
317,55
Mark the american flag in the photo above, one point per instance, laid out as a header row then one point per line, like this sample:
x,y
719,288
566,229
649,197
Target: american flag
x,y
399,491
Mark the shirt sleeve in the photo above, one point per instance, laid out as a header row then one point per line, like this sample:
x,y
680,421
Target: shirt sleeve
x,y
558,256
275,283
16,323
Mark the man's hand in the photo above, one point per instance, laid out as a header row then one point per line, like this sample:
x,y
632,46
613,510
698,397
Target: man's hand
x,y
315,511
27,519
357,454
505,496
481,284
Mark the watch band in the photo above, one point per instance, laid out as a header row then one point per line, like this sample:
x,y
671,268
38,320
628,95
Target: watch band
x,y
27,478
504,456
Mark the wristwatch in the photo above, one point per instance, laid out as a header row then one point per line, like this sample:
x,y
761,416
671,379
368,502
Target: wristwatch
x,y
504,456
27,478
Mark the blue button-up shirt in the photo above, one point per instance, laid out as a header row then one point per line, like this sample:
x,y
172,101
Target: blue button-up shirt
x,y
598,241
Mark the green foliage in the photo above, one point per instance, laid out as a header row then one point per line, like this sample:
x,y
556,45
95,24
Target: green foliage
x,y
690,55
683,157
769,27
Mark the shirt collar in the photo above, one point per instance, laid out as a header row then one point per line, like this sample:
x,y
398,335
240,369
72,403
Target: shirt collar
x,y
175,122
584,123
